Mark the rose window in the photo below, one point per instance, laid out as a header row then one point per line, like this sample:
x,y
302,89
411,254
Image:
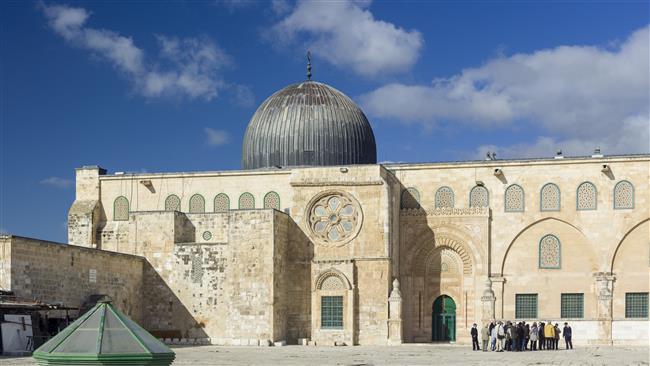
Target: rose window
x,y
334,218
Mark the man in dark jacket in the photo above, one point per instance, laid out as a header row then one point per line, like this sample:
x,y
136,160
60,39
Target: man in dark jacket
x,y
474,333
515,337
542,338
566,332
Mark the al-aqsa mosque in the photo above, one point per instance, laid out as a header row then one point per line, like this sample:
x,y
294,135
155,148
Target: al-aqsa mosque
x,y
314,242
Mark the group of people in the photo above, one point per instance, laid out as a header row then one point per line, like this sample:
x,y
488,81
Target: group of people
x,y
508,336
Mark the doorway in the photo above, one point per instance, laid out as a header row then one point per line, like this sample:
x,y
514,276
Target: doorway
x,y
443,318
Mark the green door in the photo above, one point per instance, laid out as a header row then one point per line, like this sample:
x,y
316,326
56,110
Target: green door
x,y
443,318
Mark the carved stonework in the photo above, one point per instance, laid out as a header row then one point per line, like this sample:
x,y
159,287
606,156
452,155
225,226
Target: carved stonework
x,y
448,211
334,218
488,300
604,286
395,315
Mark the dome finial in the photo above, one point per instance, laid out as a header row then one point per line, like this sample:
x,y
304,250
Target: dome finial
x,y
308,65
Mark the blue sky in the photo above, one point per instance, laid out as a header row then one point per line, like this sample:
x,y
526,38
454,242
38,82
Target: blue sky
x,y
149,87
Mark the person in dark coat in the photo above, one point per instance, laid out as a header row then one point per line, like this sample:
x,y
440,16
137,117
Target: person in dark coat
x,y
556,331
542,338
526,335
566,332
474,334
515,337
521,328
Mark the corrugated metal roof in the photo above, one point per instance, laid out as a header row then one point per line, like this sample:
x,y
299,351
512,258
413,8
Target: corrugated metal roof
x,y
308,124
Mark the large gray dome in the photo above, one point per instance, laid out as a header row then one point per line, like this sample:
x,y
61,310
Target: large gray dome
x,y
308,123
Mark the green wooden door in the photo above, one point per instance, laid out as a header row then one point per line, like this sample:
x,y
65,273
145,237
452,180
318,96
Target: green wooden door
x,y
443,319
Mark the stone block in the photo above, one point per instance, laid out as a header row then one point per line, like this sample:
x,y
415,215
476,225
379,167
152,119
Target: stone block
x,y
280,343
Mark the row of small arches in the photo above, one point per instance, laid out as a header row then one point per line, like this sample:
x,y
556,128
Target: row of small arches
x,y
221,203
514,201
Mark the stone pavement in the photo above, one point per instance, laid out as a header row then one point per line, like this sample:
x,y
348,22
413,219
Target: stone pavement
x,y
396,355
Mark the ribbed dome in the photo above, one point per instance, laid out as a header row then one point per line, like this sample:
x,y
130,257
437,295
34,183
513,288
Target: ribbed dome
x,y
308,123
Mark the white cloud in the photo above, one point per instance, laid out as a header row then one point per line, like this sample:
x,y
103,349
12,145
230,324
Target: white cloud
x,y
216,137
242,96
582,96
187,67
280,7
57,182
346,34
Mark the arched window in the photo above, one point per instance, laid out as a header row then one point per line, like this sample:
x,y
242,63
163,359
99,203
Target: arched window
x,y
221,203
549,197
444,198
479,197
623,195
272,200
172,203
246,201
197,204
121,209
410,198
549,252
514,198
586,196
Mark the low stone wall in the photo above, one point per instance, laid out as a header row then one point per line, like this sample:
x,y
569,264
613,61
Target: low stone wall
x,y
68,274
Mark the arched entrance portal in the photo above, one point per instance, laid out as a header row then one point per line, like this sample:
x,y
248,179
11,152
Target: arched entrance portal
x,y
443,318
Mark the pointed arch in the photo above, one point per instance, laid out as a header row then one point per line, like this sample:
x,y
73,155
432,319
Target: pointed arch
x,y
620,242
424,253
522,231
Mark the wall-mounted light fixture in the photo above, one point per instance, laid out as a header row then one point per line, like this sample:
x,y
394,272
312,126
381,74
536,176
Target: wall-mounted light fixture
x,y
606,169
343,170
498,172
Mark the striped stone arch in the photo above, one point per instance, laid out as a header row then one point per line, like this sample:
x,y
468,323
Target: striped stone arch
x,y
439,243
326,277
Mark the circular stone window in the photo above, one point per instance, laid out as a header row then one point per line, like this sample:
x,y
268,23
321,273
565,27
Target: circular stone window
x,y
207,235
334,218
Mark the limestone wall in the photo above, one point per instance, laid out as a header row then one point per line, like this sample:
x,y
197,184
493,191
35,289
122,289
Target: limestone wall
x,y
67,274
241,280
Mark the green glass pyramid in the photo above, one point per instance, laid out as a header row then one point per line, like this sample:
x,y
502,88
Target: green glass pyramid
x,y
104,336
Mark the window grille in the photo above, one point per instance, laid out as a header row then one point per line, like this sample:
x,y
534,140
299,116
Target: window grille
x,y
332,312
636,305
572,305
526,306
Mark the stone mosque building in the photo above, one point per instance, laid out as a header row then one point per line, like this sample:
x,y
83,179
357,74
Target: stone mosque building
x,y
314,242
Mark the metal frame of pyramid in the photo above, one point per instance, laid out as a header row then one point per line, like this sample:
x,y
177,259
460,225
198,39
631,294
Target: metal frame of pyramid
x,y
104,336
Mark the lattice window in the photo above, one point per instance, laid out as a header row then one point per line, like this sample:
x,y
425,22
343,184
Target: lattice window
x,y
549,252
549,198
572,305
197,267
272,200
332,283
335,217
121,209
586,196
221,203
623,195
514,199
479,197
444,198
246,201
197,204
331,312
636,305
526,306
172,203
410,198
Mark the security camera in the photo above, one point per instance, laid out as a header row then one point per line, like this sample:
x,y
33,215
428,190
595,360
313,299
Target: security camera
x,y
498,172
606,169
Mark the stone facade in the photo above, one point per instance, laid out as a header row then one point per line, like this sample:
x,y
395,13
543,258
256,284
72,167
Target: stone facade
x,y
65,274
360,254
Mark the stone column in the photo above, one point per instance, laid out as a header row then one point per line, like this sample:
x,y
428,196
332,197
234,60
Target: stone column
x,y
489,301
395,315
498,282
604,286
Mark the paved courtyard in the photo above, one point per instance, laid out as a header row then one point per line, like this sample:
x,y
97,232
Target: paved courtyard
x,y
398,355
